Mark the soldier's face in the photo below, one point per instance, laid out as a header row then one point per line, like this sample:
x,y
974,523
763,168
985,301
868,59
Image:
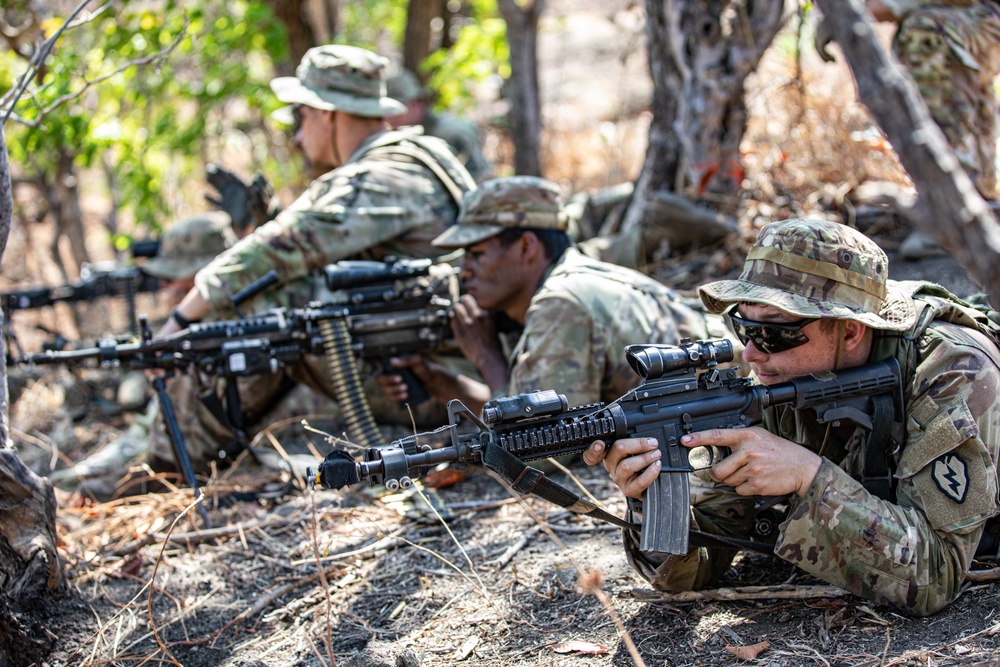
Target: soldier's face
x,y
314,136
817,355
490,273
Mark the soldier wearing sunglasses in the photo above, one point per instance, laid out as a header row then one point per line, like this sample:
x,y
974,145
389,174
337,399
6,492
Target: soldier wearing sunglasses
x,y
814,297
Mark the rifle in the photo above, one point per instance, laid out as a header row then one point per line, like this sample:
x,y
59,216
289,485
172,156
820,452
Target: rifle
x,y
96,281
673,399
376,310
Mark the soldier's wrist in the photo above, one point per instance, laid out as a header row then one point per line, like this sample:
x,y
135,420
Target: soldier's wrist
x,y
181,321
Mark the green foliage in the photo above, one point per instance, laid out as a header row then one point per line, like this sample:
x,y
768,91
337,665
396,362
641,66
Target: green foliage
x,y
373,24
147,122
480,51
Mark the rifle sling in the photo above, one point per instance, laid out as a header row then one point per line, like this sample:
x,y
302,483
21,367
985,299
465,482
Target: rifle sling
x,y
876,476
527,480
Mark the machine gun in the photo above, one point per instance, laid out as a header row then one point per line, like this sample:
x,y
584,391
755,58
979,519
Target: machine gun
x,y
376,310
673,399
96,281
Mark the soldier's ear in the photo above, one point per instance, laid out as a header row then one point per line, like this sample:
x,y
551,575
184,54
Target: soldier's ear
x,y
854,334
531,246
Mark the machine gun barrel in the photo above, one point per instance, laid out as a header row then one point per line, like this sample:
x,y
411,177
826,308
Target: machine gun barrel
x,y
673,400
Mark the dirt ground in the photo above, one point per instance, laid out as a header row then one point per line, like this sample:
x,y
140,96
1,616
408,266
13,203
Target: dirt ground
x,y
356,580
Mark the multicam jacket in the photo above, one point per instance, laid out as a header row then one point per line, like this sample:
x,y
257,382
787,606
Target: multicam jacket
x,y
578,323
396,193
913,552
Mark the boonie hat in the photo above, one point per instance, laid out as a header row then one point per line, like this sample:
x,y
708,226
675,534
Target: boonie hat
x,y
190,244
337,77
503,203
815,268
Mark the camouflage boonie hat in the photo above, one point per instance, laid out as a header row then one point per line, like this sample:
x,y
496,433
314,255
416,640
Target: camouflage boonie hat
x,y
405,87
815,268
189,245
337,77
502,203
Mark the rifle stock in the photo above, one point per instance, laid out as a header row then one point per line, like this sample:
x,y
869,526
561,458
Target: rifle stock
x,y
673,399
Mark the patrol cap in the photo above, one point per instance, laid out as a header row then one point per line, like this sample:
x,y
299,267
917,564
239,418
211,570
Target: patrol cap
x,y
190,244
337,77
504,203
405,87
815,268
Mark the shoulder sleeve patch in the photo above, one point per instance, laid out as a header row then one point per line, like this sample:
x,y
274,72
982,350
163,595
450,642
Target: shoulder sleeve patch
x,y
951,475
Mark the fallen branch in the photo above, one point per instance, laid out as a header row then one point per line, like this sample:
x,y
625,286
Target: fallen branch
x,y
742,593
980,576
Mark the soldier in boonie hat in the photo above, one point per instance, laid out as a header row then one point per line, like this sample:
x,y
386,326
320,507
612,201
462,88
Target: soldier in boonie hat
x,y
189,245
815,268
518,201
337,77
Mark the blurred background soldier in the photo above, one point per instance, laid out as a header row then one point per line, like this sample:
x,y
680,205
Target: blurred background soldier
x,y
460,134
186,247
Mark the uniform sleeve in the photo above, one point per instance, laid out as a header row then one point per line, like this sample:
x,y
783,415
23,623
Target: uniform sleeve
x,y
913,553
339,216
557,351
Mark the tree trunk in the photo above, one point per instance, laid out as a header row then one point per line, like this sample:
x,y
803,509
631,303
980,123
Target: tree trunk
x,y
64,206
948,207
298,16
417,40
522,87
700,54
29,562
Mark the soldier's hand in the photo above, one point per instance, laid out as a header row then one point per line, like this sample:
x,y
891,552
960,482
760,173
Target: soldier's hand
x,y
393,385
475,333
761,463
633,463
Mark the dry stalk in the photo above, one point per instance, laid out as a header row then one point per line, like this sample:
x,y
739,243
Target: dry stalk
x,y
152,578
327,638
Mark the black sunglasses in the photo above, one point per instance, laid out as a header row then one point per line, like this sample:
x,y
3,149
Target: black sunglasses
x,y
296,118
770,337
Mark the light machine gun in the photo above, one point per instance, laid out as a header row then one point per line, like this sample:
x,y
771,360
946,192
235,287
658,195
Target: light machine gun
x,y
376,310
673,399
96,281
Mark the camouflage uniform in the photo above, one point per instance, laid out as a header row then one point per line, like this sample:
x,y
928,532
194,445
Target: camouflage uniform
x,y
914,551
581,318
951,48
460,134
585,311
393,195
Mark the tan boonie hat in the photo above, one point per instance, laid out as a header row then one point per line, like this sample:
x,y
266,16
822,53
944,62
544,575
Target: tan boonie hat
x,y
815,268
502,203
190,244
405,87
337,77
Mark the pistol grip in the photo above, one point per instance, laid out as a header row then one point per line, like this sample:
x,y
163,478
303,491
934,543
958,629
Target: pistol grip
x,y
415,389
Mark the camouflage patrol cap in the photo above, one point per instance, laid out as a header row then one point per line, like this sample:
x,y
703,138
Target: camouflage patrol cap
x,y
405,87
502,203
815,268
190,244
337,77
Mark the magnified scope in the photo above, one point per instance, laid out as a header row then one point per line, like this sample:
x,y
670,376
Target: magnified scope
x,y
652,362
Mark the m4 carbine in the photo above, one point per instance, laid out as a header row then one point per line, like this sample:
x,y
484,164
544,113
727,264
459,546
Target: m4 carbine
x,y
683,391
376,310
